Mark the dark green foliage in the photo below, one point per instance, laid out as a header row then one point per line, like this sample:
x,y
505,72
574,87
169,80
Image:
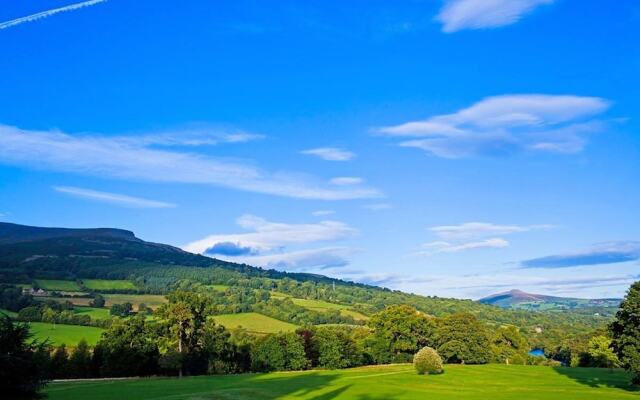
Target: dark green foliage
x,y
128,348
60,363
626,332
278,352
98,301
23,368
462,338
508,346
121,310
12,299
79,365
336,348
402,330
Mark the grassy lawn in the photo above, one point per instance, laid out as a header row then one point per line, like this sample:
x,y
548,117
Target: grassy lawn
x,y
254,322
94,313
393,382
58,285
151,300
67,334
107,284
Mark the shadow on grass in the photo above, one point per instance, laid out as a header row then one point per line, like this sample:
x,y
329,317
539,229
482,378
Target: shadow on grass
x,y
599,377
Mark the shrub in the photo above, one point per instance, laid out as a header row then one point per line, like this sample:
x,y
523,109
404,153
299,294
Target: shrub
x,y
427,361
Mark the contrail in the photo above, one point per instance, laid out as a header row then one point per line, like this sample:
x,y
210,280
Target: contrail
x,y
48,13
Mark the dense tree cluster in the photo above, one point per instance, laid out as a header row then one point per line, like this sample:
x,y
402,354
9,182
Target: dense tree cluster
x,y
626,332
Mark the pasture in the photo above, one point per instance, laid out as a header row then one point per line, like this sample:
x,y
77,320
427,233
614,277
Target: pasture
x,y
68,334
391,382
254,322
94,313
151,300
57,285
107,284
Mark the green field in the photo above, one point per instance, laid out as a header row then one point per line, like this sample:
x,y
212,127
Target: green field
x,y
319,305
94,313
57,285
393,382
67,334
77,301
254,322
218,288
107,284
151,300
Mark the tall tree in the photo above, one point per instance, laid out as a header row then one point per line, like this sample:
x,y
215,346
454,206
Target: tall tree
x,y
625,330
22,371
184,320
404,329
462,338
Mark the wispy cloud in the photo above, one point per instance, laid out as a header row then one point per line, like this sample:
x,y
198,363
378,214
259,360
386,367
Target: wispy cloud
x,y
457,15
311,260
346,181
113,198
473,235
377,206
330,153
481,229
448,247
322,213
603,253
48,13
130,157
506,124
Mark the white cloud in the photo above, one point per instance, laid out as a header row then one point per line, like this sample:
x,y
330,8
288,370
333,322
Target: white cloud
x,y
472,235
113,198
377,206
456,15
302,260
48,13
447,247
129,158
574,282
505,124
346,181
480,229
330,153
268,236
322,213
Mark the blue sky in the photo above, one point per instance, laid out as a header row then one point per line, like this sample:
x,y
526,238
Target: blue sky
x,y
453,148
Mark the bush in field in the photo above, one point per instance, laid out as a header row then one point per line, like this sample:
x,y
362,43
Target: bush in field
x,y
427,361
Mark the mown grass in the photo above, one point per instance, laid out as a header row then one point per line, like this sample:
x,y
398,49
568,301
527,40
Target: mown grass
x,y
70,335
151,300
392,382
57,285
107,284
254,322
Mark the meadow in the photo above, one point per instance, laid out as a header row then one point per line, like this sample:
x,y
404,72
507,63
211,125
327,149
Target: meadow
x,y
70,335
254,322
151,300
57,285
391,382
107,284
